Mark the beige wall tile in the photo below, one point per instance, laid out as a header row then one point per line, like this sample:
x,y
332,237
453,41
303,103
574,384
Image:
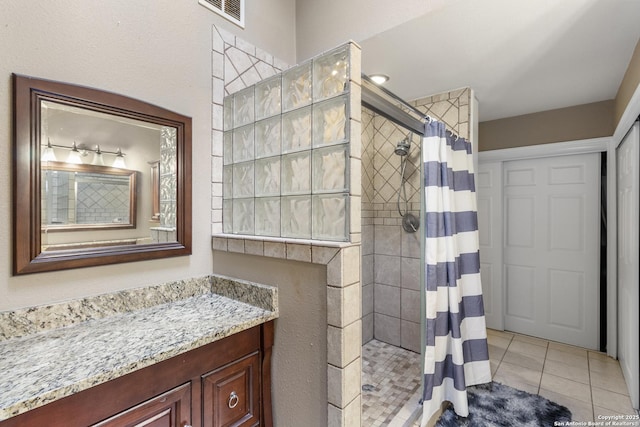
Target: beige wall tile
x,y
386,328
387,240
410,274
410,336
387,270
386,300
410,305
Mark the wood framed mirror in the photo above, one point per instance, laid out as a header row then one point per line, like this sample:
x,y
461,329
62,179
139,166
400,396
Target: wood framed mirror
x,y
75,201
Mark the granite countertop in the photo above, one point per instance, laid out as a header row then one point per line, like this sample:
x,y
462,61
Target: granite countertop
x,y
47,353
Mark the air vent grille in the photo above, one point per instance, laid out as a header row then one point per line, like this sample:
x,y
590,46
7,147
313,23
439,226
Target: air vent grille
x,y
233,10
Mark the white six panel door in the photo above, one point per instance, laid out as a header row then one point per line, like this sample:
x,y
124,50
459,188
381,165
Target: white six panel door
x,y
628,252
552,248
489,193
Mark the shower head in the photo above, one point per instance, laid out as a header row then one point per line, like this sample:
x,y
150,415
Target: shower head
x,y
402,149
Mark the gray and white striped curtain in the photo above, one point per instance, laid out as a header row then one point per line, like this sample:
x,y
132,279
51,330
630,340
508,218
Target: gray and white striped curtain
x,y
456,351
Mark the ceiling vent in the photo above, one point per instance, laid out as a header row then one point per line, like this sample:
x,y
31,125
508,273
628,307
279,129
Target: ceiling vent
x,y
233,10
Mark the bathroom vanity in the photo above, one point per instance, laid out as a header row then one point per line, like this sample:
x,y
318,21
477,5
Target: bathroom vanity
x,y
199,358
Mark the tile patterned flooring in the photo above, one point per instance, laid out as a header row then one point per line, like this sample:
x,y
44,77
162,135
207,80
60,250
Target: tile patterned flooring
x,y
589,383
395,376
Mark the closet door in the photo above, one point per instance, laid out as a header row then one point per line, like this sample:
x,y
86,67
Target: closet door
x,y
552,248
489,193
628,253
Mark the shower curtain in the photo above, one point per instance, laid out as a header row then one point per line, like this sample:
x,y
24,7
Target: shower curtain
x,y
456,352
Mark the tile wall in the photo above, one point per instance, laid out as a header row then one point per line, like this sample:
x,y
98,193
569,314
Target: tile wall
x,y
237,65
391,256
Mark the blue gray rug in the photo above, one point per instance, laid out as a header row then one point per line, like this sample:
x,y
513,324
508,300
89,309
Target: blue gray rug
x,y
497,405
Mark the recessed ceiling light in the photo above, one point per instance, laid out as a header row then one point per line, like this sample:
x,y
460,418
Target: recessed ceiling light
x,y
379,78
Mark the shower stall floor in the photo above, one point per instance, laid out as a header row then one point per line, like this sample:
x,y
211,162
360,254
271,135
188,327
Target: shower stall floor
x,y
391,384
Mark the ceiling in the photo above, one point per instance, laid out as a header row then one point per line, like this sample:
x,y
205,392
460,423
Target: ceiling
x,y
519,56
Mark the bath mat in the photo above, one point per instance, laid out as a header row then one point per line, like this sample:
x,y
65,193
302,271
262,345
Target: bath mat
x,y
498,405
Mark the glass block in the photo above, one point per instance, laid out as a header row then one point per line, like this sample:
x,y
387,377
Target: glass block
x,y
330,122
329,217
243,180
268,216
268,137
269,97
227,148
296,217
227,182
243,216
243,146
331,73
268,177
296,87
296,173
227,115
243,107
329,169
227,216
296,130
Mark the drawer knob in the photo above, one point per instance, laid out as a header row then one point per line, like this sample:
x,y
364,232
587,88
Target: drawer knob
x,y
233,400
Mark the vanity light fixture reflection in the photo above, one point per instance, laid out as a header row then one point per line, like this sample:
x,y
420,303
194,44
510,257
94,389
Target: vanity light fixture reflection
x,y
76,153
47,154
119,161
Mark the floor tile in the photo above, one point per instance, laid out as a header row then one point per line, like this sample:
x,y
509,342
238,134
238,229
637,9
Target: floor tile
x,y
580,411
524,360
612,381
527,349
394,375
501,334
587,382
566,387
518,377
571,372
613,401
531,340
568,358
496,353
498,341
568,348
609,367
596,355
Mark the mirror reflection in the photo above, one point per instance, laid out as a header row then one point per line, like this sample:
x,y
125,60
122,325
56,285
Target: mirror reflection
x,y
89,164
99,178
79,196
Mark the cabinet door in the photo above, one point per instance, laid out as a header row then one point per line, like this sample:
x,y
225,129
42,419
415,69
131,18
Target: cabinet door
x,y
170,409
232,394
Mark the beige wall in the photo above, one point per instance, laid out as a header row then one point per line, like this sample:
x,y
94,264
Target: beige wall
x,y
564,124
300,350
322,25
161,55
629,84
598,119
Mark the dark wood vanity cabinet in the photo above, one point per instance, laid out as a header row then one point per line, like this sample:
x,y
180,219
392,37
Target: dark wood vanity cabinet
x,y
222,384
170,409
231,394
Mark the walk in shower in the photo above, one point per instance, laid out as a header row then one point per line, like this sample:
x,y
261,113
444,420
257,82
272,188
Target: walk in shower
x,y
308,174
391,254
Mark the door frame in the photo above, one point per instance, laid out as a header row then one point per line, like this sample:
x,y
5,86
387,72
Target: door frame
x,y
585,146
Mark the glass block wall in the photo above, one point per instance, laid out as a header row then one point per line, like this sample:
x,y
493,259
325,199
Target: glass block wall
x,y
286,154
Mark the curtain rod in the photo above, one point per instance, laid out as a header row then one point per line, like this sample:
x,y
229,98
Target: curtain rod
x,y
377,99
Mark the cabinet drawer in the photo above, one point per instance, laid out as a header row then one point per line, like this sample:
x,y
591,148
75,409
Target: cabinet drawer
x,y
170,409
231,394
